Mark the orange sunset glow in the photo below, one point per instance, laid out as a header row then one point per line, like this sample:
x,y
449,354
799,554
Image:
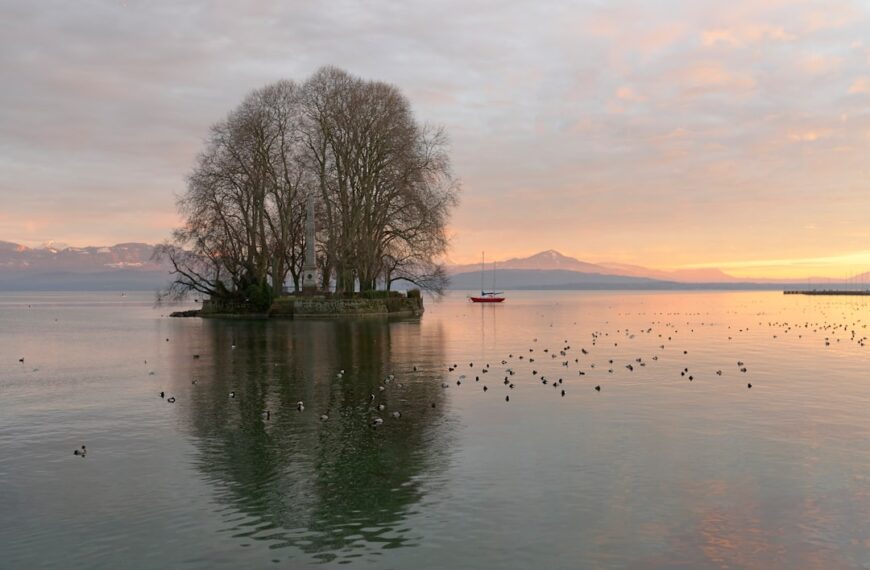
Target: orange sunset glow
x,y
731,135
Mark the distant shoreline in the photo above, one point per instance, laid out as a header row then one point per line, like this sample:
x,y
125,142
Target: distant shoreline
x,y
787,288
827,292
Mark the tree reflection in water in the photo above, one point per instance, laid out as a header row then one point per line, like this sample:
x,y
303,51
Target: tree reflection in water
x,y
331,488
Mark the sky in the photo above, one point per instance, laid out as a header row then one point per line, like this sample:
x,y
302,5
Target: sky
x,y
669,134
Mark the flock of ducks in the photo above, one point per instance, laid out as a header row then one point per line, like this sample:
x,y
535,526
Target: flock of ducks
x,y
584,363
515,366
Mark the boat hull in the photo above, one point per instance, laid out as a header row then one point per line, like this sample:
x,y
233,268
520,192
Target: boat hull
x,y
486,299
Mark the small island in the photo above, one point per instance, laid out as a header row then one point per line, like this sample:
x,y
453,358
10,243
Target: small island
x,y
320,199
384,304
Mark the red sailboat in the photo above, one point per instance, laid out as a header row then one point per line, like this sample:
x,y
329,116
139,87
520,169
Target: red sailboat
x,y
487,296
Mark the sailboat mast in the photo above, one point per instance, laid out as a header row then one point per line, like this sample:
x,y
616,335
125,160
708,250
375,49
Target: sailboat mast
x,y
482,269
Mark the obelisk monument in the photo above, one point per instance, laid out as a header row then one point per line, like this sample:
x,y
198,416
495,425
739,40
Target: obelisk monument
x,y
309,268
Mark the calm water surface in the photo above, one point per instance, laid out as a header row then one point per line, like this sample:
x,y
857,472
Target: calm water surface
x,y
654,471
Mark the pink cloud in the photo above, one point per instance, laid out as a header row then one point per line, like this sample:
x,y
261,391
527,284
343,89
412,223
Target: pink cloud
x,y
860,85
816,64
713,76
809,135
745,34
629,94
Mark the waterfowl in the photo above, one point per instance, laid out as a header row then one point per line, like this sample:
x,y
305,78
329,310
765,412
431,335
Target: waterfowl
x,y
377,422
162,394
324,417
300,406
171,399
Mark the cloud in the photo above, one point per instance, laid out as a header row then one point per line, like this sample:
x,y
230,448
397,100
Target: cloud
x,y
629,94
745,34
652,132
860,85
854,258
817,64
714,76
809,135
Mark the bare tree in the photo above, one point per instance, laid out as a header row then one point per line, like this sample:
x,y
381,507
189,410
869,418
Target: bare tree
x,y
242,206
383,178
383,184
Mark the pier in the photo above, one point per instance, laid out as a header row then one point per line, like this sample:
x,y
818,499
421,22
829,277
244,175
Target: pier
x,y
828,292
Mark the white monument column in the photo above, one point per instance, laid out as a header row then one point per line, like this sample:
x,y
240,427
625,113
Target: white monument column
x,y
309,268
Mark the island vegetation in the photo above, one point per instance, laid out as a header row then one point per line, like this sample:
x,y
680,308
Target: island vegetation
x,y
381,183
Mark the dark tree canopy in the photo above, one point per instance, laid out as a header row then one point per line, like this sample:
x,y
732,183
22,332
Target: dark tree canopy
x,y
381,182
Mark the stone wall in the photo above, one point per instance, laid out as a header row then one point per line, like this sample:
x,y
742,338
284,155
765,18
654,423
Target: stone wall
x,y
290,307
307,307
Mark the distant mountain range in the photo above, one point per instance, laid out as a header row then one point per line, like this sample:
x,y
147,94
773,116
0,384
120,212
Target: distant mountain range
x,y
121,267
553,260
552,270
129,267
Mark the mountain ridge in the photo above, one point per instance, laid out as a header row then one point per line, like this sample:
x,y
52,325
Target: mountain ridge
x,y
56,265
17,257
552,259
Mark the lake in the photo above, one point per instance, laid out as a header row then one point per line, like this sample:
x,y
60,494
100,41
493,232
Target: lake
x,y
674,463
